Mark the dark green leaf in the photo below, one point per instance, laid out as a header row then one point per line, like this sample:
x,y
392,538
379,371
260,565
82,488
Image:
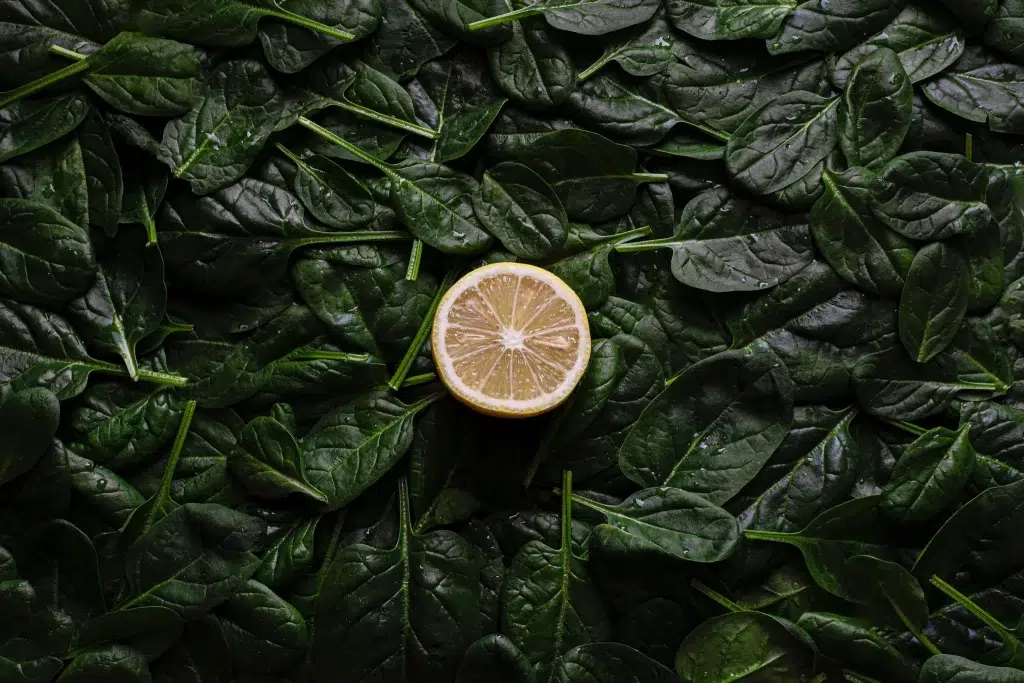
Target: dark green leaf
x,y
29,419
29,124
982,88
111,663
533,67
495,659
269,463
150,630
934,301
953,669
519,208
858,645
929,476
831,26
877,105
264,633
610,663
729,19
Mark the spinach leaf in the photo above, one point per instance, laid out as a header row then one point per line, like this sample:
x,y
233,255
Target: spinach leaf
x,y
982,88
417,625
457,98
761,646
927,40
588,17
494,655
549,606
1003,31
533,67
519,208
877,105
953,669
214,144
779,143
729,19
44,258
592,176
112,662
38,175
858,645
728,244
29,124
831,26
31,418
934,301
930,475
641,51
859,248
269,462
404,41
265,633
714,426
929,196
354,445
890,594
291,47
666,520
608,662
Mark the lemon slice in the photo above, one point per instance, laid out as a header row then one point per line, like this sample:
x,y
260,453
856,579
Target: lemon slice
x,y
511,340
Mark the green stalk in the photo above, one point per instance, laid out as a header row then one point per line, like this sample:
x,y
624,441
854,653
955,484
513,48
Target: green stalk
x,y
648,245
709,592
347,146
317,354
417,380
398,379
758,535
1009,638
304,22
415,256
566,510
650,177
356,236
44,82
385,119
854,677
593,68
969,148
820,678
166,379
179,444
150,224
514,15
907,427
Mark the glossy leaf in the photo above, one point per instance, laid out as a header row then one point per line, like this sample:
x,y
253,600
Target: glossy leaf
x,y
929,476
875,115
934,301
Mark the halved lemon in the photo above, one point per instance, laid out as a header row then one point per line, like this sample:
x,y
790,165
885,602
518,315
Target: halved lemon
x,y
511,340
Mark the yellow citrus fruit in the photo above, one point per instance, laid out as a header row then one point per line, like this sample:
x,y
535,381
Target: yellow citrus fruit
x,y
511,340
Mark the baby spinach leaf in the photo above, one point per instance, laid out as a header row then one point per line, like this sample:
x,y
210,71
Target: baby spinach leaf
x,y
930,475
593,177
494,656
432,200
143,194
44,258
533,67
926,38
831,539
890,594
419,628
1004,30
934,301
714,426
110,496
729,19
291,47
642,51
519,208
758,645
29,124
930,195
214,144
982,88
831,26
193,559
264,632
782,141
331,194
994,431
953,669
30,418
877,105
269,463
53,175
892,385
127,299
728,244
549,606
112,662
150,630
354,445
456,97
972,13
969,545
457,18
608,663
856,644
666,520
290,554
859,248
404,41
588,17
222,23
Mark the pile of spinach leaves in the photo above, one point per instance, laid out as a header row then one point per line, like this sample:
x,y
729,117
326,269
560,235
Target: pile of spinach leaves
x,y
797,454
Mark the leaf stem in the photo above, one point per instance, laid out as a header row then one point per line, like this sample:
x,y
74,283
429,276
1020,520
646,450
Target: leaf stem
x,y
1009,639
759,535
907,427
347,146
307,353
650,177
35,86
304,22
356,236
969,147
385,119
415,256
593,68
179,444
416,380
69,54
514,15
714,595
166,379
647,245
566,510
820,678
854,677
398,379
